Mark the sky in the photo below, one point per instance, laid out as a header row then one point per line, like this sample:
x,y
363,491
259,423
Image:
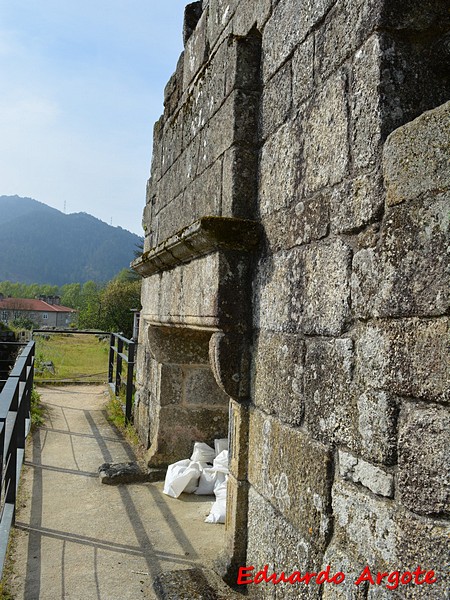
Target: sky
x,y
81,85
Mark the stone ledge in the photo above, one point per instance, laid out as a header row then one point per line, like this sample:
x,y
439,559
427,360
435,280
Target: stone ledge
x,y
202,237
130,472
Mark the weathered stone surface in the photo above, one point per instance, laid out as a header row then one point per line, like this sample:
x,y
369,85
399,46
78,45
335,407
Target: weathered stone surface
x,y
115,473
276,100
410,84
365,525
239,187
178,345
293,472
171,384
324,306
195,50
201,388
303,71
377,426
280,169
274,542
262,528
206,96
304,222
357,202
424,459
150,292
173,89
284,396
220,13
408,273
416,156
200,282
235,529
410,357
289,24
347,26
180,426
366,107
339,561
251,14
192,14
204,195
172,142
273,297
235,122
356,469
243,60
326,152
170,292
297,292
421,541
308,220
330,413
169,219
377,533
238,440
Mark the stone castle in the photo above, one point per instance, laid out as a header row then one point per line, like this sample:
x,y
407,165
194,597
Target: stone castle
x,y
296,283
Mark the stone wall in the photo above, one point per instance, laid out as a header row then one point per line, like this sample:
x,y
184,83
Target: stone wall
x,y
302,125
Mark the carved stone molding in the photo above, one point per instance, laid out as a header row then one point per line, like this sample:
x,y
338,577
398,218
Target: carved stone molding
x,y
204,236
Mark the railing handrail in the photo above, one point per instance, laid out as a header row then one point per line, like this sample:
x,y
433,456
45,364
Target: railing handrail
x,y
115,367
73,331
15,403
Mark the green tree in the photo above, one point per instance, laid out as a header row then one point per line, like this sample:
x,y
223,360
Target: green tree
x,y
71,295
117,299
23,323
90,306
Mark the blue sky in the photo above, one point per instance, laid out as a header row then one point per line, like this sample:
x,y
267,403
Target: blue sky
x,y
81,84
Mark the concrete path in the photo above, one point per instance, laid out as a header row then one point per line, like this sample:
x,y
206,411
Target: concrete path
x,y
82,540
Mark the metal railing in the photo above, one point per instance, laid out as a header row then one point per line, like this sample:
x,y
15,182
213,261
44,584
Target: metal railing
x,y
15,421
117,356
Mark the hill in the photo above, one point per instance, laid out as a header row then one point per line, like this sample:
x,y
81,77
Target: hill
x,y
39,244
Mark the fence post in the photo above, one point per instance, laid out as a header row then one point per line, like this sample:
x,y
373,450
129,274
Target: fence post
x,y
119,365
111,358
130,370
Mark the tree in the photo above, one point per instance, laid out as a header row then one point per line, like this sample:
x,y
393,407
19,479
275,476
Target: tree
x,y
23,323
117,299
90,306
71,295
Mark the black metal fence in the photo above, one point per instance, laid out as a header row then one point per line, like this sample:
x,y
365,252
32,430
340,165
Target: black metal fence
x,y
122,350
15,421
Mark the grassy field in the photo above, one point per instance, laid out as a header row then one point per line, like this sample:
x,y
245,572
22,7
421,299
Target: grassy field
x,y
74,356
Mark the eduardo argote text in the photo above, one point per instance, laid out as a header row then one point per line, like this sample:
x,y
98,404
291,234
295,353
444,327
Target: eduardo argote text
x,y
390,580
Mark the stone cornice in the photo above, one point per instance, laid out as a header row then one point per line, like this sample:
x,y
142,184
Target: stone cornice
x,y
200,238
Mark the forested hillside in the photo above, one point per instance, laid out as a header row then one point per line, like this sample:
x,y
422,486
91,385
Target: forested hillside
x,y
39,244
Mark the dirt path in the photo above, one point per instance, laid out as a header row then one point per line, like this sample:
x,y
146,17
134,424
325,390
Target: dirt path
x,y
82,540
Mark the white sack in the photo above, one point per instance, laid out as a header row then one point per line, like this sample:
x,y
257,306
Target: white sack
x,y
219,508
221,462
181,476
220,445
209,480
203,453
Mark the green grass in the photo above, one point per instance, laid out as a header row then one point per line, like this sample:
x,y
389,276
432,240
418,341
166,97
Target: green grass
x,y
116,416
75,357
37,411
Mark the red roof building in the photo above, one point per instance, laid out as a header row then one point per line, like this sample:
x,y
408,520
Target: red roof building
x,y
44,313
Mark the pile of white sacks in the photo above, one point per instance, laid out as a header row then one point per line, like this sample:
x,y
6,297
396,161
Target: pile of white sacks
x,y
205,473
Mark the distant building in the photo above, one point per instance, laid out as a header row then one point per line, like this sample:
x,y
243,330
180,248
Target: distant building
x,y
44,311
